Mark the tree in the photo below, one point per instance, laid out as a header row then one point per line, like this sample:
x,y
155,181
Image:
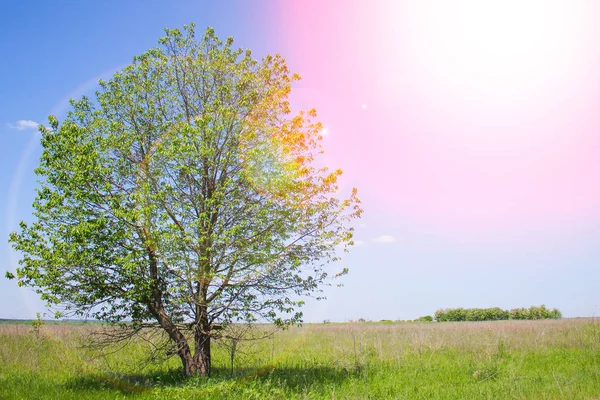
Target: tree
x,y
185,196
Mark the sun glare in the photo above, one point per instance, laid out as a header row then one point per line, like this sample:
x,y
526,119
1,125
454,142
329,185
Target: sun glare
x,y
500,49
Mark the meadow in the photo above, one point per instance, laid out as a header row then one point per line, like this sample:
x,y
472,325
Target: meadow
x,y
546,359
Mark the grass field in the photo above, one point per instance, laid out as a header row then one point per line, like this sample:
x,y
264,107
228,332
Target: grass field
x,y
480,360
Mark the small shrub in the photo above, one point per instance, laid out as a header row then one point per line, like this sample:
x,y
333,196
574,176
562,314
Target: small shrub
x,y
440,315
555,314
36,324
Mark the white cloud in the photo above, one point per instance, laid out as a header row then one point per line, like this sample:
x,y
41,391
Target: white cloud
x,y
23,124
359,243
385,239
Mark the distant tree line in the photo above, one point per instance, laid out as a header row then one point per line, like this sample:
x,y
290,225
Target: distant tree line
x,y
496,314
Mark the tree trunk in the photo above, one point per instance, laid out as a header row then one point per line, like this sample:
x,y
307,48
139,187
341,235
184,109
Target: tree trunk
x,y
202,344
157,309
199,364
190,366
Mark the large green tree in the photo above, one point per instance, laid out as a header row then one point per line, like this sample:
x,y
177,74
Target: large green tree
x,y
185,196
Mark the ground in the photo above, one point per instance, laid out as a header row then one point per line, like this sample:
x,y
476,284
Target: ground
x,y
479,360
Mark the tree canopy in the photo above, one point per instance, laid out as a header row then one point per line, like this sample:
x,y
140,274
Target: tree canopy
x,y
184,195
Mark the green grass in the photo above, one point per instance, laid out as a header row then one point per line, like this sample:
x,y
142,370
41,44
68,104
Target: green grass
x,y
485,360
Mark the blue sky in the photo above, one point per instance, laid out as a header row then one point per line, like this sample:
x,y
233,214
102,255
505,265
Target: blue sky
x,y
404,267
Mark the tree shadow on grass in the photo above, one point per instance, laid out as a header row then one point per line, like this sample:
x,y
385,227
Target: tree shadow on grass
x,y
289,379
92,383
127,384
301,379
